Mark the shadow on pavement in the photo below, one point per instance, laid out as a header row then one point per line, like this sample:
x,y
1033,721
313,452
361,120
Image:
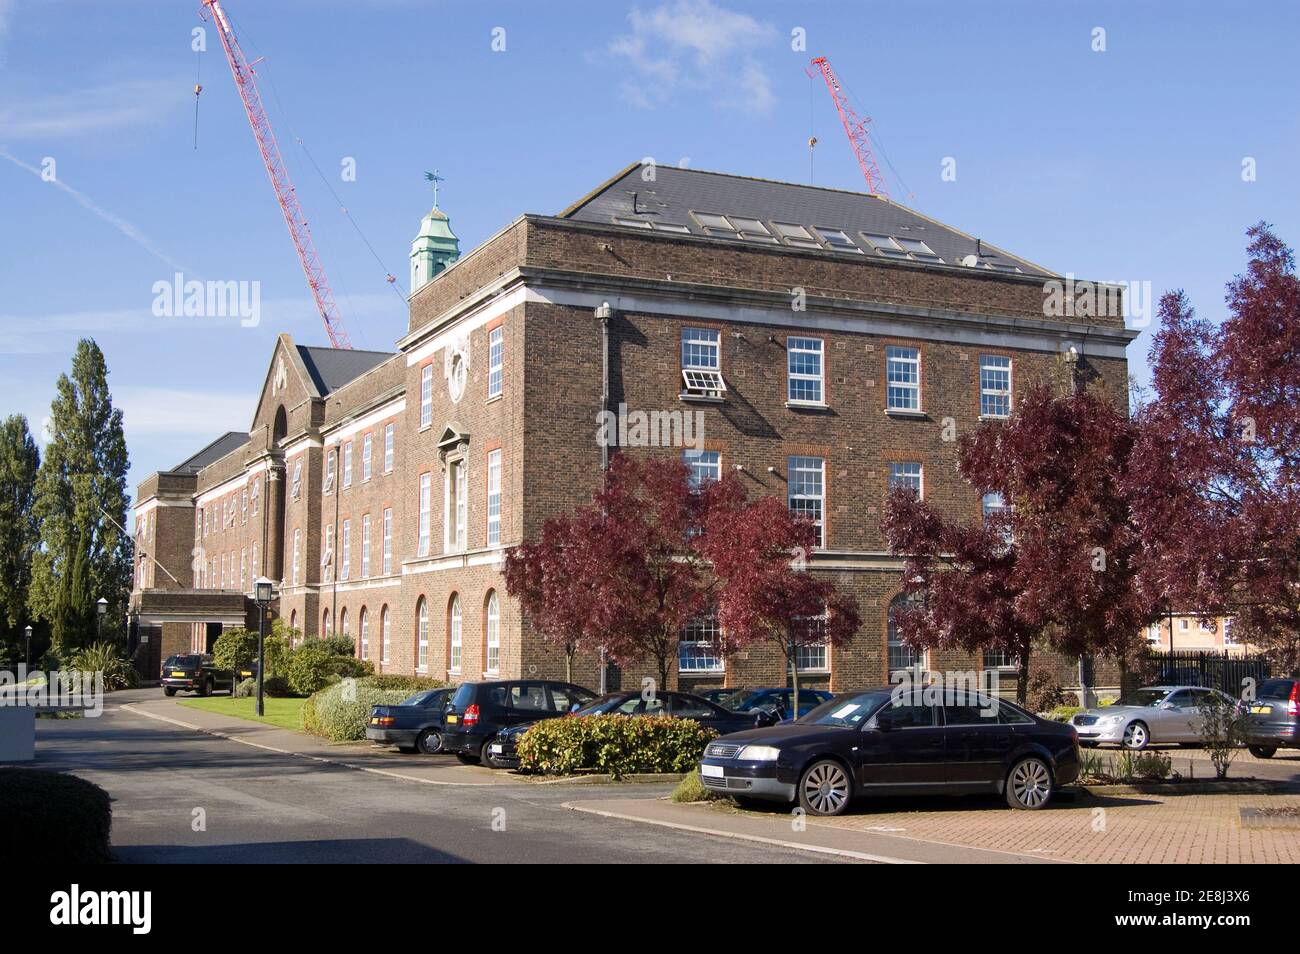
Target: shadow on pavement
x,y
333,851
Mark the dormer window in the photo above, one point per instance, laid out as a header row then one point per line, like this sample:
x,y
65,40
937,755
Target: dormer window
x,y
796,236
838,240
701,363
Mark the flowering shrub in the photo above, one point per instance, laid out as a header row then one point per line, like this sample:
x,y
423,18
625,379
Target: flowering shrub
x,y
615,744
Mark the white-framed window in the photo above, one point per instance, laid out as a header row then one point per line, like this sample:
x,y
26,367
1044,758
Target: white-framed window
x,y
496,359
297,557
992,505
702,362
243,506
494,498
327,557
901,655
838,240
903,378
367,445
454,634
796,236
697,650
426,487
345,560
1182,623
388,541
388,448
706,466
385,636
295,485
256,485
223,571
331,465
326,625
363,625
347,464
995,385
493,629
807,491
345,629
907,473
897,247
806,370
422,635
365,547
426,395
455,506
999,659
243,571
255,561
812,654
1228,638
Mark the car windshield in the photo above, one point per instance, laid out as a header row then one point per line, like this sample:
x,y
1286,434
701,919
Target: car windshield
x,y
605,703
1145,698
182,661
845,711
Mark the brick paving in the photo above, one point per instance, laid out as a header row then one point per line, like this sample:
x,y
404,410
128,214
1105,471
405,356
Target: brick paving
x,y
1124,829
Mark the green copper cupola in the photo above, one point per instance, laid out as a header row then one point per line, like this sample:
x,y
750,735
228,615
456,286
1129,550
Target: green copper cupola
x,y
435,247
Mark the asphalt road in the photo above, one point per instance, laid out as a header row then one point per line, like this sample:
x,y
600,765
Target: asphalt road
x,y
179,796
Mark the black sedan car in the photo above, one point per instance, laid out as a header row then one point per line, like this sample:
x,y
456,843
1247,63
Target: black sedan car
x,y
877,742
501,753
413,725
780,700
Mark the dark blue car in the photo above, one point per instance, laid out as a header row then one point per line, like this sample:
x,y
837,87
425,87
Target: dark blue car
x,y
413,725
774,698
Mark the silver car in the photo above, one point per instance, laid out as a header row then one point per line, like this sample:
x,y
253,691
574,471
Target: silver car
x,y
1148,716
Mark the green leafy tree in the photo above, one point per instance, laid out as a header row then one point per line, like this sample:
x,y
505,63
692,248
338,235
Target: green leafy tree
x,y
80,504
19,462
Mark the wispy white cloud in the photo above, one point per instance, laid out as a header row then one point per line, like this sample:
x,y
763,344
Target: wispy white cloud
x,y
694,46
170,412
93,110
113,219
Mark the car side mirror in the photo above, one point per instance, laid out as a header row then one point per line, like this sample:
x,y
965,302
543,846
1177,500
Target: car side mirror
x,y
1167,705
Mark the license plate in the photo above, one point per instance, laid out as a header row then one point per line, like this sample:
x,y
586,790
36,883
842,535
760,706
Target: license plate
x,y
451,720
494,749
178,675
1261,710
711,771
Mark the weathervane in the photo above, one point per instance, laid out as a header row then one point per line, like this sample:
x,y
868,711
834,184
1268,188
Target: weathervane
x,y
435,179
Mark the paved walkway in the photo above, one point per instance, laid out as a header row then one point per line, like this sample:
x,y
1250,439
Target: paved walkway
x,y
1141,829
362,756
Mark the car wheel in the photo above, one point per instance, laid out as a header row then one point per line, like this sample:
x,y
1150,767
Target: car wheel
x,y
468,758
825,788
206,688
429,742
485,755
1136,736
168,691
1262,751
1029,784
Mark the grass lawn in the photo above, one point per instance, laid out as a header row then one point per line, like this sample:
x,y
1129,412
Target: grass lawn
x,y
280,712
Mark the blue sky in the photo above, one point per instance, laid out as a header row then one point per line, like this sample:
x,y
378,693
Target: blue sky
x,y
1119,165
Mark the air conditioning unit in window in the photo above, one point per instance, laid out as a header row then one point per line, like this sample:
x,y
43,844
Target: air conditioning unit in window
x,y
702,383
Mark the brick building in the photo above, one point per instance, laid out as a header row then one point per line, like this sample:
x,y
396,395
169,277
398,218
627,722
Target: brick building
x,y
828,343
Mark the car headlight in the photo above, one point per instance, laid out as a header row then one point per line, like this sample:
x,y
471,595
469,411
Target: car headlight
x,y
758,753
1111,720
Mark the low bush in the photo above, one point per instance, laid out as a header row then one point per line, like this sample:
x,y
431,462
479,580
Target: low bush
x,y
1044,692
311,669
619,745
52,818
408,684
691,789
1221,728
277,687
1064,713
107,658
246,688
339,711
1141,765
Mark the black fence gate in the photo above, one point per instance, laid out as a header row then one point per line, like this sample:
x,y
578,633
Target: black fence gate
x,y
1221,671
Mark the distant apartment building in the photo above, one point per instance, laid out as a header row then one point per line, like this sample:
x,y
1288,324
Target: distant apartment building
x,y
831,344
1188,632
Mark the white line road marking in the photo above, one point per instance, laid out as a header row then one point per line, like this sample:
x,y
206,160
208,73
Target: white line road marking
x,y
301,755
798,846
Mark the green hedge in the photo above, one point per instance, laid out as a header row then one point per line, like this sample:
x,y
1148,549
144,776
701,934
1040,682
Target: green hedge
x,y
619,745
339,711
408,684
52,818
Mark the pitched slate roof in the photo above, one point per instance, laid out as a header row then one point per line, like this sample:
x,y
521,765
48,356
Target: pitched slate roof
x,y
673,201
331,368
218,449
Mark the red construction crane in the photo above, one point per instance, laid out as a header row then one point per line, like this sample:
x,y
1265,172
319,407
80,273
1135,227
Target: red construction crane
x,y
855,127
242,70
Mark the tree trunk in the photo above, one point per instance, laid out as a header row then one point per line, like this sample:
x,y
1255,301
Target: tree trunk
x,y
568,665
1022,674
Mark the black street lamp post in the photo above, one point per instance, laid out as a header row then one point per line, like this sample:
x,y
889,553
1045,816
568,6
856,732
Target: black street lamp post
x,y
263,591
28,633
101,607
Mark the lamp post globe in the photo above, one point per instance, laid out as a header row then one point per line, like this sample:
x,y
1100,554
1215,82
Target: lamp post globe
x,y
101,607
